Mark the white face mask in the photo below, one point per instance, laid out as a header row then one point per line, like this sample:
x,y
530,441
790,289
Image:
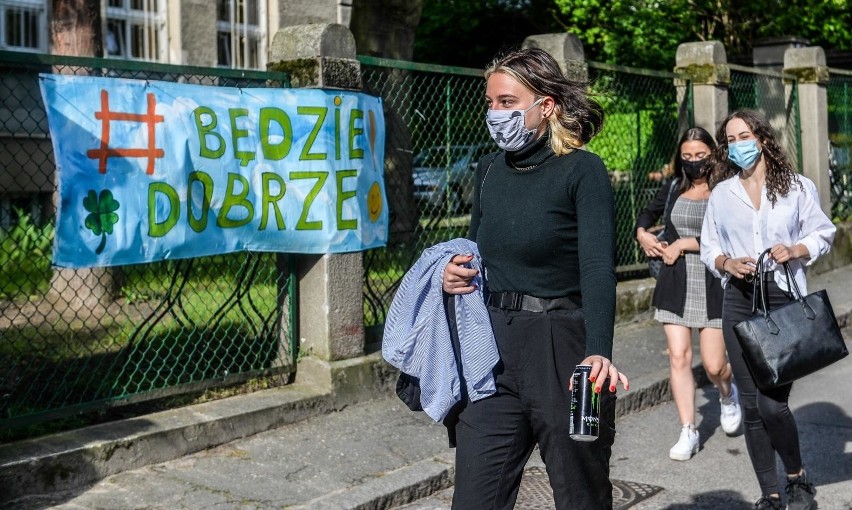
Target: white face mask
x,y
508,129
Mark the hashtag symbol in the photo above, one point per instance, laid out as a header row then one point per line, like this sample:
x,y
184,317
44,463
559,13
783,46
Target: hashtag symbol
x,y
106,116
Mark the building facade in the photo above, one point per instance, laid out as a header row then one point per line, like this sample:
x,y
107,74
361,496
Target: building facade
x,y
207,33
225,33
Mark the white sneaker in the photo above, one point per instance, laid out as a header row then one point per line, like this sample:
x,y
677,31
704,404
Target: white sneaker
x,y
687,445
731,415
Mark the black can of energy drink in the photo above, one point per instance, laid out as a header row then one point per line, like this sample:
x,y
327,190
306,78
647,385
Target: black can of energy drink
x,y
585,406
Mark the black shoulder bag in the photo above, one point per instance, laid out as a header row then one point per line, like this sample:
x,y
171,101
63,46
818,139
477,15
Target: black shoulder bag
x,y
656,263
791,341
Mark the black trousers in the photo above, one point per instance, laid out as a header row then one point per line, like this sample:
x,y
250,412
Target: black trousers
x,y
496,436
770,427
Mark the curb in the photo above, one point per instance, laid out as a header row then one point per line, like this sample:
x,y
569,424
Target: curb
x,y
395,488
74,458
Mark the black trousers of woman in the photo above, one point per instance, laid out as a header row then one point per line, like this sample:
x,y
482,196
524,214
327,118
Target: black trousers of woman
x,y
495,436
770,427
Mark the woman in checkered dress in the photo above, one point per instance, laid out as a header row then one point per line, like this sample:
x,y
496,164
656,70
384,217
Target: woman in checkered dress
x,y
687,295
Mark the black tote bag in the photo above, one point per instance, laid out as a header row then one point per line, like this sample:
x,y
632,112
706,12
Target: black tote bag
x,y
791,341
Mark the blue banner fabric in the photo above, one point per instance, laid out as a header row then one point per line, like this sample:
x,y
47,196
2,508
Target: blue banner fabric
x,y
152,170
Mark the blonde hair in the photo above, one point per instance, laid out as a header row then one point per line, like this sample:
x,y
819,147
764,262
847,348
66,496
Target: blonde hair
x,y
576,118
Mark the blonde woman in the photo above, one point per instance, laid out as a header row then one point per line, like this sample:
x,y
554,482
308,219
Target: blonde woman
x,y
543,221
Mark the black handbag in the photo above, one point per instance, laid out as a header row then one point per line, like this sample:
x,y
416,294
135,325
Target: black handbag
x,y
656,263
791,341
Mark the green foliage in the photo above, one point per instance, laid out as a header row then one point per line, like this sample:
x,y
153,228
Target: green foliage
x,y
640,33
826,23
646,33
25,257
470,33
629,32
625,138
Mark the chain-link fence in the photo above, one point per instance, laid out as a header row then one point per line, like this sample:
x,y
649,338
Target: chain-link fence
x,y
76,340
436,134
435,118
766,91
839,92
637,145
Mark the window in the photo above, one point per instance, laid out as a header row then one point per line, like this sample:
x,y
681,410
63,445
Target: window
x,y
239,36
14,206
23,25
135,29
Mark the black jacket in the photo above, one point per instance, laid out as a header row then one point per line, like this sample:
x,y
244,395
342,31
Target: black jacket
x,y
654,211
670,291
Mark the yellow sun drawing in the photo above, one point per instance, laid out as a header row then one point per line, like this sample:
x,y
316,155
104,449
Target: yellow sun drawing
x,y
374,202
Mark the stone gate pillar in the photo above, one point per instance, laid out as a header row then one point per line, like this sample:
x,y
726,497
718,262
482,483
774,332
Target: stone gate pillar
x,y
705,64
809,67
331,322
567,49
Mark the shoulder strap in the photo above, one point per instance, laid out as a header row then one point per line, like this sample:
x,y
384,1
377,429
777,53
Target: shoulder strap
x,y
669,196
482,184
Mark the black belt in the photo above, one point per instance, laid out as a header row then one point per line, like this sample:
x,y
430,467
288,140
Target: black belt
x,y
517,301
749,278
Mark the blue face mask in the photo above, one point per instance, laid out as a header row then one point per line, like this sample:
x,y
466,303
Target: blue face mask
x,y
508,129
744,154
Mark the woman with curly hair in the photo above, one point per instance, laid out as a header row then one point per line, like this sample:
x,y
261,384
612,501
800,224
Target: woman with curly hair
x,y
758,202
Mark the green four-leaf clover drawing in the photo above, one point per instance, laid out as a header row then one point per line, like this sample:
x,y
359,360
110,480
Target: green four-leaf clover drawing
x,y
102,214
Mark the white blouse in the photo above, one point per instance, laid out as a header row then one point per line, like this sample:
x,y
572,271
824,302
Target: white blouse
x,y
734,228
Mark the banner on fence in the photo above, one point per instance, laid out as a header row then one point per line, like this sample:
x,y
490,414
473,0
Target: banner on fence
x,y
155,170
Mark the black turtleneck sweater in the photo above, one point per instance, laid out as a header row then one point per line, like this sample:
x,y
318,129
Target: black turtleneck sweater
x,y
545,227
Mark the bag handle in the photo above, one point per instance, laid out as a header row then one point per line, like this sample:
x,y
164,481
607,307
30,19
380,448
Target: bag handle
x,y
668,199
797,294
669,195
757,281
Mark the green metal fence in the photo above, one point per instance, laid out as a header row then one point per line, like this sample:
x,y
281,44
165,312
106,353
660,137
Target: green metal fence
x,y
839,92
436,134
637,144
77,340
434,117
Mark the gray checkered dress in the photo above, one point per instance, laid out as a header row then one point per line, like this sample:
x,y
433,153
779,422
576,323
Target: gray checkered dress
x,y
687,217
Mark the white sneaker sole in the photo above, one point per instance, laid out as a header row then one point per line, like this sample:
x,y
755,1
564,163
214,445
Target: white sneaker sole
x,y
732,432
682,456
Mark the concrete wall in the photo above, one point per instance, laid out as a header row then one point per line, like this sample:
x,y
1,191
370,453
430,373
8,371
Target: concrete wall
x,y
197,35
192,24
303,12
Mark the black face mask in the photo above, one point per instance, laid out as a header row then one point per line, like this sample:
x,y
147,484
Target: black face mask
x,y
693,169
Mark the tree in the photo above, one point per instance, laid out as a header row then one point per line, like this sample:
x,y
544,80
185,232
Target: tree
x,y
640,33
76,29
386,29
470,32
646,33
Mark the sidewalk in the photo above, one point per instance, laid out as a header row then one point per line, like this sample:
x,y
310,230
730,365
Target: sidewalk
x,y
720,475
372,455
